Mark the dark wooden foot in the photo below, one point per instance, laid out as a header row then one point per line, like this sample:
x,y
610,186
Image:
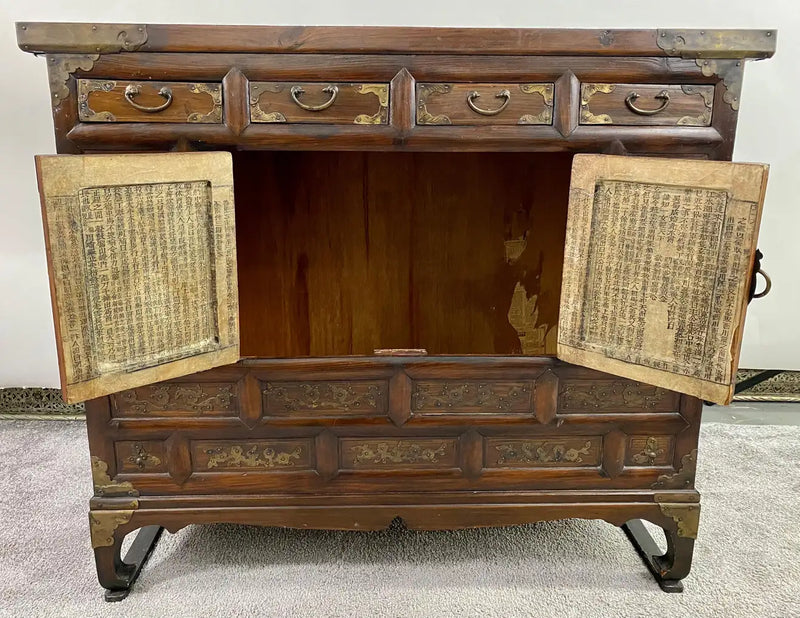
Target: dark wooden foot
x,y
116,575
668,568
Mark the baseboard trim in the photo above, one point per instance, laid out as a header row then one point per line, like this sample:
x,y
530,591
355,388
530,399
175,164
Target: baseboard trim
x,y
784,387
37,404
47,404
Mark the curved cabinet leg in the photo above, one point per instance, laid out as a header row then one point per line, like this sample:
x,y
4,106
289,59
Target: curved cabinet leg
x,y
116,575
670,567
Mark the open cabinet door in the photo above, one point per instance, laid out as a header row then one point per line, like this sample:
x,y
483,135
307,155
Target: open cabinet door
x,y
657,266
141,252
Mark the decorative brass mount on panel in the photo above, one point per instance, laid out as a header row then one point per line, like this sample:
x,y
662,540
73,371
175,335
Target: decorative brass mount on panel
x,y
587,92
704,119
236,457
103,484
423,115
683,478
382,92
649,453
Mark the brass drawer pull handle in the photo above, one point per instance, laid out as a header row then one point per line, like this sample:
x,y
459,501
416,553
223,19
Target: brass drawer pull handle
x,y
767,284
503,94
663,96
296,91
132,90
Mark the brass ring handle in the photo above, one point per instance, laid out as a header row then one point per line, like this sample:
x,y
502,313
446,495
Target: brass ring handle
x,y
767,284
503,94
132,90
663,96
331,90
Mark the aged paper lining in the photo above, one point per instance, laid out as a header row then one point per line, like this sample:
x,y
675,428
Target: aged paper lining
x,y
656,268
141,251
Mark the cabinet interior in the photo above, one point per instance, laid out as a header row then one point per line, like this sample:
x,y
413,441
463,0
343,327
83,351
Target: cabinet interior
x,y
341,253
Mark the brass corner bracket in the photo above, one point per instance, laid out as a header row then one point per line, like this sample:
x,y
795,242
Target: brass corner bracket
x,y
60,67
730,72
104,486
717,43
54,38
102,525
683,478
686,516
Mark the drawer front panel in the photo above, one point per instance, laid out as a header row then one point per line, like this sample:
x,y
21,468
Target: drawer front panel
x,y
255,455
197,399
101,100
646,104
319,399
388,454
319,102
141,456
649,451
471,397
565,452
603,396
484,104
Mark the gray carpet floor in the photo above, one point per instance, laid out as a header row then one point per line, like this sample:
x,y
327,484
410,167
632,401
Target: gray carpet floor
x,y
746,558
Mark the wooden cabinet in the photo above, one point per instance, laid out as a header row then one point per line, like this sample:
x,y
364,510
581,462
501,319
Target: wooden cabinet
x,y
552,317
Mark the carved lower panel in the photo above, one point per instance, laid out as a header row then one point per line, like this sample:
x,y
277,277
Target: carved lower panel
x,y
318,398
445,396
578,396
141,456
222,456
575,451
649,451
178,399
364,454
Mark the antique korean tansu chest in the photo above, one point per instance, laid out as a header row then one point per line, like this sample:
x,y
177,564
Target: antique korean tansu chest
x,y
330,277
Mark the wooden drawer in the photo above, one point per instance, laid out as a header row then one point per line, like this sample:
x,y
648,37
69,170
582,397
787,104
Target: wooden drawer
x,y
646,104
319,102
484,104
103,100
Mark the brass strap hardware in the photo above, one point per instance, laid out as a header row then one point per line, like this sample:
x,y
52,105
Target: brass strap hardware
x,y
132,90
631,98
332,90
503,94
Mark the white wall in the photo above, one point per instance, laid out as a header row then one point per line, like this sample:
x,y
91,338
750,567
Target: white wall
x,y
769,131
